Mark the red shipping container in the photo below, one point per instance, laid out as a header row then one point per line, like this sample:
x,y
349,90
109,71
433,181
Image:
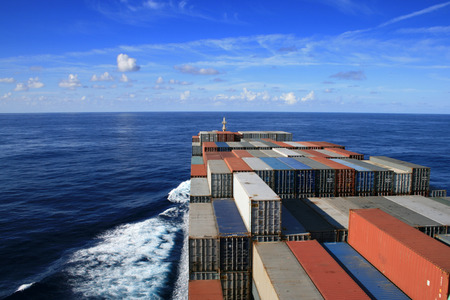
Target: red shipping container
x,y
418,264
198,171
226,154
211,156
205,290
236,164
241,153
345,177
209,147
281,144
330,279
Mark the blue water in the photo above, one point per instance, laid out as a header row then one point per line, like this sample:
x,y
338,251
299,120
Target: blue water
x,y
85,210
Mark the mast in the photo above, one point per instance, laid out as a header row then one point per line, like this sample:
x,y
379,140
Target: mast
x,y
224,127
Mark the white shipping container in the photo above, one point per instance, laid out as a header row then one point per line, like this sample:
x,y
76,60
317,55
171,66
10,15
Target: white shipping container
x,y
258,205
277,274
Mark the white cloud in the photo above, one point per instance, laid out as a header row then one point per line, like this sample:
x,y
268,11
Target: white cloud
x,y
188,69
7,95
416,13
160,80
104,77
83,98
20,87
34,83
185,95
311,96
248,95
124,78
71,83
173,81
126,63
289,98
7,80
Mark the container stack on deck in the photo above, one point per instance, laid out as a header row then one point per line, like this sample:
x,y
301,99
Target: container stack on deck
x,y
265,210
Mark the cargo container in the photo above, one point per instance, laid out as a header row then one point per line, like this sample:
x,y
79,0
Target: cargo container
x,y
236,164
247,145
266,238
209,147
196,149
311,145
264,171
274,135
438,193
383,178
305,177
205,289
241,153
235,242
287,152
443,200
375,284
257,153
330,153
402,179
291,229
302,153
203,239
296,145
207,136
345,177
338,209
445,238
279,144
420,175
364,178
278,275
195,139
330,279
313,222
236,285
315,153
258,205
223,147
200,191
220,179
259,145
227,136
204,276
198,171
197,160
346,153
324,145
271,153
269,143
325,185
284,184
431,209
211,156
418,264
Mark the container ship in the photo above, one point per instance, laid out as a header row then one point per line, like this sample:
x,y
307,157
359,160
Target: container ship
x,y
273,218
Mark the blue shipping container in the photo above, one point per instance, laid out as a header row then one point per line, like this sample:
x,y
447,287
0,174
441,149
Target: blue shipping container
x,y
284,176
369,278
305,177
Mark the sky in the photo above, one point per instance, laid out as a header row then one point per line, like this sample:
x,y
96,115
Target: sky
x,y
203,55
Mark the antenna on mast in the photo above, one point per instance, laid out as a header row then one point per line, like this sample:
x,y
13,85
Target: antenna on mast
x,y
224,127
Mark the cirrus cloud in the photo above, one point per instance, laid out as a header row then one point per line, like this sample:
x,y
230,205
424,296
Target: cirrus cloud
x,y
7,80
350,75
188,69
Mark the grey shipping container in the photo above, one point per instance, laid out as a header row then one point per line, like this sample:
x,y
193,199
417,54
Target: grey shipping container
x,y
200,190
258,205
263,170
235,243
236,285
383,178
284,177
402,179
257,153
271,153
277,274
325,177
203,238
220,179
305,177
196,149
204,275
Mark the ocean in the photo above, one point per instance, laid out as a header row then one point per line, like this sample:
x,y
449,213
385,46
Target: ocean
x,y
95,205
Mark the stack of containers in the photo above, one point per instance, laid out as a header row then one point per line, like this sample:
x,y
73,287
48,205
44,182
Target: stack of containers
x,y
402,179
263,170
196,149
274,135
220,179
330,154
279,144
316,153
235,250
345,177
287,152
325,181
305,178
284,184
311,145
223,147
364,178
277,274
375,284
236,145
271,153
420,175
330,279
259,145
205,289
200,191
338,209
383,178
346,153
418,264
203,242
209,147
236,164
259,206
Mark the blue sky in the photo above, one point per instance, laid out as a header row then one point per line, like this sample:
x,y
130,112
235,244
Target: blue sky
x,y
149,55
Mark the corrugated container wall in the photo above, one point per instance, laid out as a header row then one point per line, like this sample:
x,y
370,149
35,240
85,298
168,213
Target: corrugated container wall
x,y
364,178
205,289
305,178
330,279
383,178
345,177
284,177
236,285
325,177
258,205
196,149
264,171
220,179
416,263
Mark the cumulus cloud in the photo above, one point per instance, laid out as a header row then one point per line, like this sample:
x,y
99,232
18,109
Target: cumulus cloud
x,y
289,98
7,80
311,96
188,69
20,87
71,83
185,95
7,95
104,77
126,63
350,75
34,83
124,78
160,80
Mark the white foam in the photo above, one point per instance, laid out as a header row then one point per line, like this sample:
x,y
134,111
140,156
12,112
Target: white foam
x,y
24,287
131,261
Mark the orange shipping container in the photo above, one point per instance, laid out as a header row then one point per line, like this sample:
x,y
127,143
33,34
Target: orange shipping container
x,y
198,171
330,279
345,177
236,164
205,290
418,264
241,153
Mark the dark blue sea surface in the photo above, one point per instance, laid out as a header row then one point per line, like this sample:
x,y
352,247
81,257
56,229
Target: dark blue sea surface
x,y
85,210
